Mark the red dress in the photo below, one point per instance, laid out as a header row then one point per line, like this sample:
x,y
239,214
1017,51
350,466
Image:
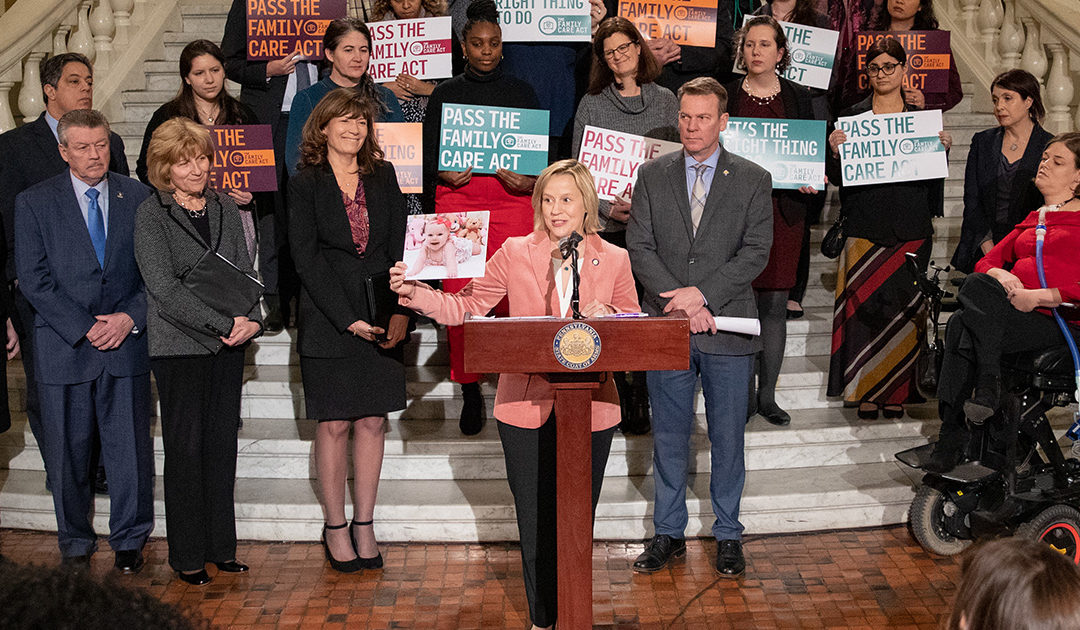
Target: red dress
x,y
511,215
779,273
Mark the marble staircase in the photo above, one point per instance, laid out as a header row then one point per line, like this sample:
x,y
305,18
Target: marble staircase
x,y
827,470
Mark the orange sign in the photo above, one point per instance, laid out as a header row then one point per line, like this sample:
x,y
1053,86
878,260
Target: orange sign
x,y
685,22
401,144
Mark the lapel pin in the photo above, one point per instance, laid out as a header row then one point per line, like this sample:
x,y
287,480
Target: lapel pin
x,y
595,262
725,171
119,195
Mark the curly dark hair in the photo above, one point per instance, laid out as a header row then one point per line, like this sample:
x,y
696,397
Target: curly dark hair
x,y
600,75
339,102
33,597
480,11
779,37
925,20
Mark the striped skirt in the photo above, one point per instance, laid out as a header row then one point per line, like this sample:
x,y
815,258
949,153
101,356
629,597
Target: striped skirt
x,y
878,321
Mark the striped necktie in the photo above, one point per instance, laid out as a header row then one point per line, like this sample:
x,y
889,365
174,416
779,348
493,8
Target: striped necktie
x,y
697,195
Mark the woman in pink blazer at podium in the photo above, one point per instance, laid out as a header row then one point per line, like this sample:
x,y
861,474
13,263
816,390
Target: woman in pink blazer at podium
x,y
531,273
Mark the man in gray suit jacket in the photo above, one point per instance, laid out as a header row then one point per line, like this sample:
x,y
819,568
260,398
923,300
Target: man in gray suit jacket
x,y
699,233
75,257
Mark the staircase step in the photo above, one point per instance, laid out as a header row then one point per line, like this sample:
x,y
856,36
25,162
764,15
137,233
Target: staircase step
x,y
773,501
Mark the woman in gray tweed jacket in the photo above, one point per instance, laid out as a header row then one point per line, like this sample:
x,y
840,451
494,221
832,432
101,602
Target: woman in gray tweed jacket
x,y
196,352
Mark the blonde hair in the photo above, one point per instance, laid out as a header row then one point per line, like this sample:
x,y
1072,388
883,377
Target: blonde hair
x,y
176,140
584,180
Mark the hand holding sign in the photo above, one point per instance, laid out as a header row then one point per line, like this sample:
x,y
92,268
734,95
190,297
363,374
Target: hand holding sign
x,y
892,148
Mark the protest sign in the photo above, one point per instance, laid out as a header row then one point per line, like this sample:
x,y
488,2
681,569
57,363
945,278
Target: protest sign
x,y
793,151
613,158
813,52
489,138
892,148
276,28
243,158
685,22
928,58
402,144
545,20
420,48
446,245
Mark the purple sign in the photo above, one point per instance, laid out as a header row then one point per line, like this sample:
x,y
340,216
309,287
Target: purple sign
x,y
929,58
243,158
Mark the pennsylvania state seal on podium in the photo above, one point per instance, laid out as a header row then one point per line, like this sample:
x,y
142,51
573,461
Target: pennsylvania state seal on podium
x,y
576,346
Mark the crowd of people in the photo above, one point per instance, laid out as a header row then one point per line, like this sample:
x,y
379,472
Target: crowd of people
x,y
110,280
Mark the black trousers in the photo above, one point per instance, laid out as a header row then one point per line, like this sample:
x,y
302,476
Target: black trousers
x,y
530,470
977,336
200,412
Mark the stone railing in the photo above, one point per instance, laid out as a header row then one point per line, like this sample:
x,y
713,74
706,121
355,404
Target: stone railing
x,y
30,30
1040,36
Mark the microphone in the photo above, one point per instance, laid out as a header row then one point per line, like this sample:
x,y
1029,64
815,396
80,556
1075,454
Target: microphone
x,y
568,244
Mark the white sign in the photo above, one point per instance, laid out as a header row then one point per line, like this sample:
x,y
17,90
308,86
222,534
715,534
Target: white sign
x,y
613,159
420,48
545,20
813,52
892,148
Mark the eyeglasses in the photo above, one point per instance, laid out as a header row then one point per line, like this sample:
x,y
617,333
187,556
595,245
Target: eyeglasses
x,y
885,69
618,50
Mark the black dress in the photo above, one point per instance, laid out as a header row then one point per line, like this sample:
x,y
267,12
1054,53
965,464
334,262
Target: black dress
x,y
344,376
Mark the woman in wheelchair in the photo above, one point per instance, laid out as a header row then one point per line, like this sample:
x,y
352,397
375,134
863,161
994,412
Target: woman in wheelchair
x,y
1004,308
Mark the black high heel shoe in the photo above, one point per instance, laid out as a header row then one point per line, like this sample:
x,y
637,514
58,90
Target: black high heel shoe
x,y
984,401
197,578
232,566
367,563
341,566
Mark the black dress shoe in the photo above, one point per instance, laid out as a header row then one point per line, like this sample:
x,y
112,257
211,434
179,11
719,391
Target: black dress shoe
x,y
472,410
274,322
129,561
232,566
730,562
101,483
660,550
984,401
775,415
197,578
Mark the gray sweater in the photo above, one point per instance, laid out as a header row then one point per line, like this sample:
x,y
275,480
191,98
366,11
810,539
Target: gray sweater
x,y
653,114
165,250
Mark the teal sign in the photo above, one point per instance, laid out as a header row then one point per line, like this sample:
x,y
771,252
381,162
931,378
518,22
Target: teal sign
x,y
486,139
793,151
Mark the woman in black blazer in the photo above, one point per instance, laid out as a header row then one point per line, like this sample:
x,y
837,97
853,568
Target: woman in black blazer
x,y
347,224
999,183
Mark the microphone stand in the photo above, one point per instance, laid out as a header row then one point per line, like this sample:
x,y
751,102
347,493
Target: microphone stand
x,y
575,277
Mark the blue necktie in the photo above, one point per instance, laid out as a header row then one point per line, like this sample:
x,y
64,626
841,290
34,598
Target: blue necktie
x,y
95,222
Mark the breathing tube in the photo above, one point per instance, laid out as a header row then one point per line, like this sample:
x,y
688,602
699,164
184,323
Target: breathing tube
x,y
1040,236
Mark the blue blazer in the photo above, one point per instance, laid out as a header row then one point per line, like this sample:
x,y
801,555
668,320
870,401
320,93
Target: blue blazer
x,y
59,274
980,192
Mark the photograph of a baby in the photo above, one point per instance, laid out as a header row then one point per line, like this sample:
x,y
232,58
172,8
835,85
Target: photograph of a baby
x,y
446,245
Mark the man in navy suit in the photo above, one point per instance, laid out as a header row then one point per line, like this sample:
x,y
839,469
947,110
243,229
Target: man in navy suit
x,y
30,154
75,258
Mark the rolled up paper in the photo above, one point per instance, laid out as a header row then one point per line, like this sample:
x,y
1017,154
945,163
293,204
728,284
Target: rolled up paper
x,y
741,325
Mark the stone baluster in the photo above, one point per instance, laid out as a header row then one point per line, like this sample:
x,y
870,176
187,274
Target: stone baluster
x,y
1059,90
103,28
1011,38
122,17
59,42
8,79
1033,59
81,40
31,100
989,20
969,8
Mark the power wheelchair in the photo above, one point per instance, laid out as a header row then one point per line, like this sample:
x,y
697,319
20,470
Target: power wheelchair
x,y
1014,478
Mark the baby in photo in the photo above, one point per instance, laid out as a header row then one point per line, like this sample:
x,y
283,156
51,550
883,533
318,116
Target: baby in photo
x,y
441,247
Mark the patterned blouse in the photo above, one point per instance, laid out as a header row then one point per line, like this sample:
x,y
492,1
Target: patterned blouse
x,y
357,211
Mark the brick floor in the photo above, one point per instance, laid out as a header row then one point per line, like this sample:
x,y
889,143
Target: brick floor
x,y
872,578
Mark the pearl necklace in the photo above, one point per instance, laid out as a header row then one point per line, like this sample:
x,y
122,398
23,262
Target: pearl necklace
x,y
761,100
194,213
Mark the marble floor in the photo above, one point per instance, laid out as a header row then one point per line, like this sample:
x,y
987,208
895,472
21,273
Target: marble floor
x,y
869,578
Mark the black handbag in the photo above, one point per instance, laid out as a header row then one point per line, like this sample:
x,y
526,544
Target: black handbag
x,y
832,245
382,302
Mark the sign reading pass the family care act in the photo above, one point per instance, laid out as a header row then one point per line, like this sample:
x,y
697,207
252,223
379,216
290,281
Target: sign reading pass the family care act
x,y
929,58
545,20
685,22
486,139
243,158
276,28
613,159
793,151
419,48
892,148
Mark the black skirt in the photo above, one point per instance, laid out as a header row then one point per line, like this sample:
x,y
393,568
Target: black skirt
x,y
368,384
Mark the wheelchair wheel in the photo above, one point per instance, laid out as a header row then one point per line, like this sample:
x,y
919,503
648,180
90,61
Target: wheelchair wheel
x,y
928,516
1057,526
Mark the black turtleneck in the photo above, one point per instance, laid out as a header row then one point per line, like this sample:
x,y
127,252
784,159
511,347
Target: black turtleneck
x,y
495,89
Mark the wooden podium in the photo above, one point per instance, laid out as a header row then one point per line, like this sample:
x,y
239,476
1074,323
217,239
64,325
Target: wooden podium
x,y
574,354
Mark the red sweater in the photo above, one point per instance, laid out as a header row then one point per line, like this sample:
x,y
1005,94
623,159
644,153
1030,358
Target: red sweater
x,y
1060,260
